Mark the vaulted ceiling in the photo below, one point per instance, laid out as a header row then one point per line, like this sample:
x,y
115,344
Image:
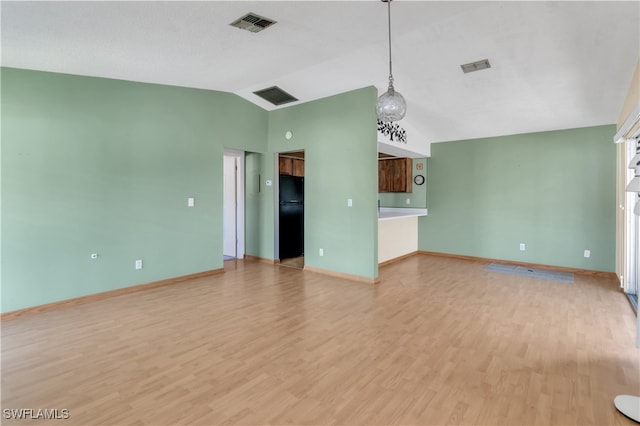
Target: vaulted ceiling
x,y
554,65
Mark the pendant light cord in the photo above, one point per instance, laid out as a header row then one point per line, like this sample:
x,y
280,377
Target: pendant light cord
x,y
389,26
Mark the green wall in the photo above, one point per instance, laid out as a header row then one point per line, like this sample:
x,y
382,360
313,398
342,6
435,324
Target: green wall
x,y
255,235
98,165
553,191
418,195
93,165
338,135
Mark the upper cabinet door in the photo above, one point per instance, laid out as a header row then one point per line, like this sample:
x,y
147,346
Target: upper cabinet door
x,y
285,164
298,167
291,166
395,175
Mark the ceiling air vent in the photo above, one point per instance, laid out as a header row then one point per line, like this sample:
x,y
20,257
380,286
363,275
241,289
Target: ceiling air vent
x,y
275,95
252,22
476,66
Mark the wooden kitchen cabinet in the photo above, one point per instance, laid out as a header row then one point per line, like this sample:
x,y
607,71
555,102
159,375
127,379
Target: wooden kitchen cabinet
x,y
298,167
291,166
285,165
394,175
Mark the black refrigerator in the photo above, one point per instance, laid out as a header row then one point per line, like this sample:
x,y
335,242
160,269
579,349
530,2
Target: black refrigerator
x,y
291,216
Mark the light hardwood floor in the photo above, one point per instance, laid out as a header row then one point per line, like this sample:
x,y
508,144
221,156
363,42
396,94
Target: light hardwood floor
x,y
438,341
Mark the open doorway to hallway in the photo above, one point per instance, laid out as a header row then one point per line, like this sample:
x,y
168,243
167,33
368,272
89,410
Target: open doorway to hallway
x,y
291,208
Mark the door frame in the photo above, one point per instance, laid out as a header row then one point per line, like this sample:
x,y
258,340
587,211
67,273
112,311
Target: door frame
x,y
276,213
239,155
627,266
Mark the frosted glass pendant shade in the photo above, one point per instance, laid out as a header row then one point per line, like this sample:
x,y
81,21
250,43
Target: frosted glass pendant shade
x,y
634,185
391,106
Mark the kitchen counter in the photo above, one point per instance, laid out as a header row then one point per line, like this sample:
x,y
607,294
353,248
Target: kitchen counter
x,y
397,232
387,213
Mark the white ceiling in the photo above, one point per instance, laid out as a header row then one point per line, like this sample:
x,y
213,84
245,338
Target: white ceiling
x,y
555,65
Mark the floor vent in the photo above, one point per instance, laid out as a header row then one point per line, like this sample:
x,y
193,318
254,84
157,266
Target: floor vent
x,y
475,66
252,22
545,274
275,95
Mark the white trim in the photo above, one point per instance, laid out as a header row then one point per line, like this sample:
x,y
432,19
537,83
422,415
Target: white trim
x,y
276,205
386,213
631,120
632,223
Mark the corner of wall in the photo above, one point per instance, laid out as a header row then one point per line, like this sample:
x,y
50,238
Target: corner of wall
x,y
632,100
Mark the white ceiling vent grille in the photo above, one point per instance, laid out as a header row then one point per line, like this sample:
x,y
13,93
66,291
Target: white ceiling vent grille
x,y
252,22
476,66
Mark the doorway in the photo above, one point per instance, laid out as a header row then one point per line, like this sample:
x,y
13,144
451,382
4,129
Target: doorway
x,y
233,205
291,208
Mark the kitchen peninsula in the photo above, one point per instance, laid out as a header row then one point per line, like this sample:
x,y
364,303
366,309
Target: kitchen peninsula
x,y
397,232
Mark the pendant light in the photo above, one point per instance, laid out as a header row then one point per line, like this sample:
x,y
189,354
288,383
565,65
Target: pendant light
x,y
391,105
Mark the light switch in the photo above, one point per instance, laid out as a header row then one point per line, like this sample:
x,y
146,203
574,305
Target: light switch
x,y
268,182
191,202
349,202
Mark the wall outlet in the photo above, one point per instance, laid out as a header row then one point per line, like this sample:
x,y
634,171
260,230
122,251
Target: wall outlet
x,y
94,256
349,202
587,253
139,264
191,202
522,247
408,200
321,252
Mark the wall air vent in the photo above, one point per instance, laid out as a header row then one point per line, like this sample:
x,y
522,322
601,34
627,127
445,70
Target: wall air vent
x,y
252,22
475,66
275,95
